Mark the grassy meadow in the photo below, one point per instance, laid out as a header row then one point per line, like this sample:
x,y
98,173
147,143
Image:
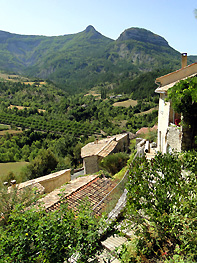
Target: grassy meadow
x,y
15,168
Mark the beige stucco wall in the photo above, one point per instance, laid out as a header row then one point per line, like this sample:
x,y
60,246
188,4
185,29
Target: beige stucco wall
x,y
90,164
50,181
163,122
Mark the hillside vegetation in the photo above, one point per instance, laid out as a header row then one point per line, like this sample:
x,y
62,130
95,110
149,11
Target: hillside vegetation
x,y
80,61
79,88
48,119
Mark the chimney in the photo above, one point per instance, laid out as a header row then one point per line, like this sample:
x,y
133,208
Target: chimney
x,y
184,60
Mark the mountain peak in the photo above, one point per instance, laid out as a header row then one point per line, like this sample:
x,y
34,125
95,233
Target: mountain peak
x,y
90,28
143,35
92,33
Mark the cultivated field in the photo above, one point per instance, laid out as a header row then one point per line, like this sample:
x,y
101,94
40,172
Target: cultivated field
x,y
4,127
126,103
22,107
15,78
147,111
93,93
18,78
9,132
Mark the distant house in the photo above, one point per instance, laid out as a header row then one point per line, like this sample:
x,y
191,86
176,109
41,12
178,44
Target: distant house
x,y
93,152
170,135
145,130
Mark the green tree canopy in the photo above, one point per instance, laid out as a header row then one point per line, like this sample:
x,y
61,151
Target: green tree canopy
x,y
43,164
183,96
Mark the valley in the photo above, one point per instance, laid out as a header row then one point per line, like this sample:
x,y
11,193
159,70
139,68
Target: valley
x,y
57,95
45,117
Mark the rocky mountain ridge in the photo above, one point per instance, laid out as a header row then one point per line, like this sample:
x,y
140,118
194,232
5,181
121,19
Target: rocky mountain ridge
x,y
80,61
142,35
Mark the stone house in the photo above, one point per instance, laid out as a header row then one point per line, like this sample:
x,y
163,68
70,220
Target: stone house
x,y
93,152
170,134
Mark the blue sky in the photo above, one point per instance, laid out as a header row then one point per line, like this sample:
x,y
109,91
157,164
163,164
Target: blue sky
x,y
172,19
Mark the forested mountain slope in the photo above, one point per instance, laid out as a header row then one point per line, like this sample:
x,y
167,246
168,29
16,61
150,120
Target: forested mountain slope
x,y
79,61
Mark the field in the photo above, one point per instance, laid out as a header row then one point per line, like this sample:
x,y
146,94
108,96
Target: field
x,y
18,78
9,132
147,111
14,167
21,108
126,103
9,77
93,93
4,127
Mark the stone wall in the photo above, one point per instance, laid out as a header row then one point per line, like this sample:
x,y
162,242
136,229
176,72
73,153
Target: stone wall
x,y
140,146
123,144
50,181
174,138
90,164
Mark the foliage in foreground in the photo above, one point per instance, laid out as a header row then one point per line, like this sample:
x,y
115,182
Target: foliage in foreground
x,y
37,236
162,206
12,197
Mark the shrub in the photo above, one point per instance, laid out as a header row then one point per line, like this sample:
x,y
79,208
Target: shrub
x,y
161,204
37,236
43,164
113,163
11,198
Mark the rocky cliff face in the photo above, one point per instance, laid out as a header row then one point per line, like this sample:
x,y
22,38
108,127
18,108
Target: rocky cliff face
x,y
142,35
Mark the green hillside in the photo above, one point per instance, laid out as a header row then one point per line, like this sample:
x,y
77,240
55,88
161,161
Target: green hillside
x,y
77,62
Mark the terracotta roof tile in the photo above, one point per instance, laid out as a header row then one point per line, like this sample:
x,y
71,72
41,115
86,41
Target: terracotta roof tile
x,y
93,192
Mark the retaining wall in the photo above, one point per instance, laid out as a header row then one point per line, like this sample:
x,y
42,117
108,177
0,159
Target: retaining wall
x,y
50,181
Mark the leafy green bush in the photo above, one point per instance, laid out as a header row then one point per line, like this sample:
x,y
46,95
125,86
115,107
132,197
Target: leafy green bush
x,y
113,163
162,206
36,236
12,198
43,164
183,96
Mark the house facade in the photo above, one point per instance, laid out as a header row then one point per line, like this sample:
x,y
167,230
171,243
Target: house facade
x,y
170,134
93,152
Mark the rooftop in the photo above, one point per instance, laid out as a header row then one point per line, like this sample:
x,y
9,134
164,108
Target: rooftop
x,y
169,80
101,147
91,188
